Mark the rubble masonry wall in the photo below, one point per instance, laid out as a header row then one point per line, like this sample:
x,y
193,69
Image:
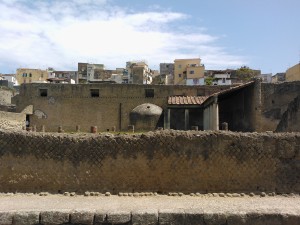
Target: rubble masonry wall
x,y
162,161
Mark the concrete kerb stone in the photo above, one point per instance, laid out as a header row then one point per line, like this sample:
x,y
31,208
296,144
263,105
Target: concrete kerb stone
x,y
214,218
291,219
194,217
25,218
54,217
145,217
171,216
237,218
100,217
82,217
265,218
118,217
6,218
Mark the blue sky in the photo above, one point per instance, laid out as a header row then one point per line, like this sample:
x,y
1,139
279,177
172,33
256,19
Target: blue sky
x,y
261,34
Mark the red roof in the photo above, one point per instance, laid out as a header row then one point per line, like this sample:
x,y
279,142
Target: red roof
x,y
186,100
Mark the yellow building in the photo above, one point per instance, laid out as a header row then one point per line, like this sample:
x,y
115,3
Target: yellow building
x,y
31,75
293,73
188,71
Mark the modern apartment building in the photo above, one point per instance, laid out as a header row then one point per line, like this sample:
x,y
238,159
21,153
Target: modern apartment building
x,y
138,72
188,72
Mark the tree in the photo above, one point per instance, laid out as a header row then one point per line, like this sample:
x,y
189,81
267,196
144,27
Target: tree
x,y
245,73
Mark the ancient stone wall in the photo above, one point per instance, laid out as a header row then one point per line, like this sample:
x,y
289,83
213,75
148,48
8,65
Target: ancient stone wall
x,y
275,99
5,96
162,161
70,105
290,121
11,120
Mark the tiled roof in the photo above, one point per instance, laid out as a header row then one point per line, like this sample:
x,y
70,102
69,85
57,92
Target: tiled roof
x,y
186,100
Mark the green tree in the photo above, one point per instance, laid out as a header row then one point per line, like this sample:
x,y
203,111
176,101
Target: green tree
x,y
245,73
208,80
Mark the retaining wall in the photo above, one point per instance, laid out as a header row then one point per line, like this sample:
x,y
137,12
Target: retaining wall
x,y
162,161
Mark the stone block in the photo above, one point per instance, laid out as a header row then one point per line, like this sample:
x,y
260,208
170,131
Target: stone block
x,y
100,217
236,218
54,217
119,217
6,218
26,218
211,218
171,216
291,219
194,217
264,218
82,217
147,217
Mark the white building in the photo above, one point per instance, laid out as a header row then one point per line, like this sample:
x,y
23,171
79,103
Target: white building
x,y
195,81
222,79
11,78
267,78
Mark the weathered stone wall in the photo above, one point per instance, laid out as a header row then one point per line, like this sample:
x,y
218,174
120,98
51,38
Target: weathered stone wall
x,y
275,99
162,161
5,96
70,105
290,120
11,120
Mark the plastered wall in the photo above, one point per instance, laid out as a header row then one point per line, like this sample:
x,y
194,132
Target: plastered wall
x,y
161,161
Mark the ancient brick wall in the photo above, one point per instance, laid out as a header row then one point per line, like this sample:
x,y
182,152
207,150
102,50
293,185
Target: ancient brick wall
x,y
162,161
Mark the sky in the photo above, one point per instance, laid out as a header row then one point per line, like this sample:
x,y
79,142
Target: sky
x,y
225,34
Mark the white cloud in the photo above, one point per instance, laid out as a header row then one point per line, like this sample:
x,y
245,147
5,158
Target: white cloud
x,y
62,33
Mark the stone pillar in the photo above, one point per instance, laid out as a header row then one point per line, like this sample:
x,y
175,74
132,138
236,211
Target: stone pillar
x,y
257,106
205,119
215,115
210,118
167,117
186,119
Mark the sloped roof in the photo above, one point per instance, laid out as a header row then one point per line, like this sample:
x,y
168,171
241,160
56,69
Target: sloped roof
x,y
186,100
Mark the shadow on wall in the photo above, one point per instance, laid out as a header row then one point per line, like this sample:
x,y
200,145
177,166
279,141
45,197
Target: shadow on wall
x,y
290,120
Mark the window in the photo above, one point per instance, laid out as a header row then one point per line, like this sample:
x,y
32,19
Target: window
x,y
43,92
94,93
30,75
42,75
192,72
149,93
179,75
223,80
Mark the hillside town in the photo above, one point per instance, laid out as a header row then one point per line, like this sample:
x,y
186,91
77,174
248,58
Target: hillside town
x,y
180,72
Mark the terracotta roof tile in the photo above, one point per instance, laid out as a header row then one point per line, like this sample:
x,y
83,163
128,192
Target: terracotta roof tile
x,y
186,100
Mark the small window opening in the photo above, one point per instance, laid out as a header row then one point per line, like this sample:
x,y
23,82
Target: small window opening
x,y
43,92
149,93
95,93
